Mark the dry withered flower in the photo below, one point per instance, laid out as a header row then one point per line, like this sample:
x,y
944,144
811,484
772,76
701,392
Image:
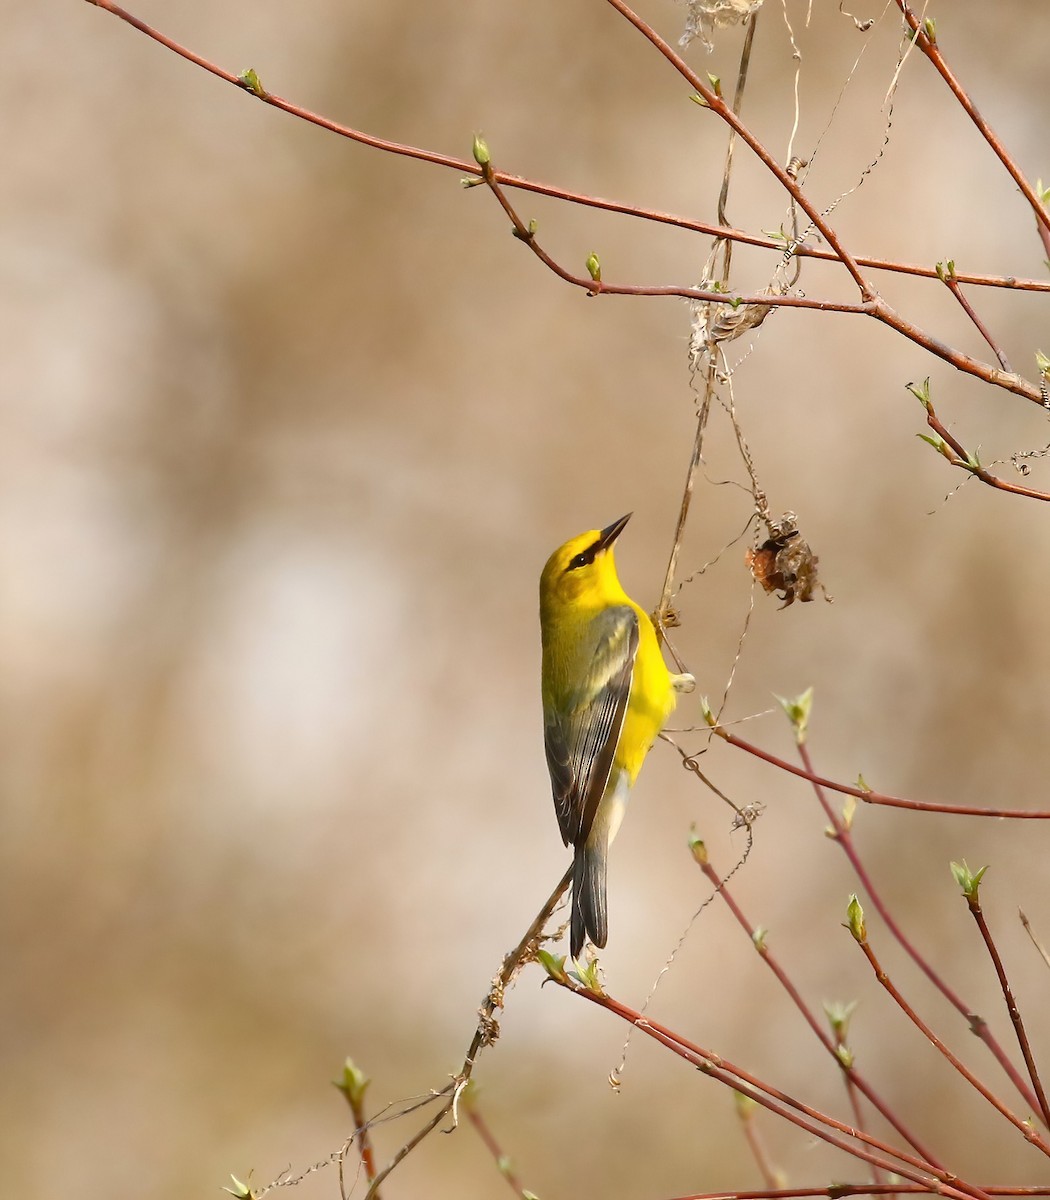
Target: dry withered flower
x,y
784,563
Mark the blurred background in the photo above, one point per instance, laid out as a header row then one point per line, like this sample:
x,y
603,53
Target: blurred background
x,y
289,427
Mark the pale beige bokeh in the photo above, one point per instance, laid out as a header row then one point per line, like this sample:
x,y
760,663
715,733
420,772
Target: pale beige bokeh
x,y
289,428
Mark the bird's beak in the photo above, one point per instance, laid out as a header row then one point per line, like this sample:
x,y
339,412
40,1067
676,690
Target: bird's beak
x,y
611,532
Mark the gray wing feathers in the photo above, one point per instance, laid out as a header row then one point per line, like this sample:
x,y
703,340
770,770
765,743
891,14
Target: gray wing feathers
x,y
581,743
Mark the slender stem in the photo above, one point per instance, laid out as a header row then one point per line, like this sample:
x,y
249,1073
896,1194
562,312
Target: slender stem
x,y
834,1190
1026,1130
952,284
962,362
362,1136
493,1147
873,307
1044,954
738,101
853,1076
664,606
419,1136
756,1145
974,903
977,1024
717,105
853,1094
958,456
469,167
930,48
809,1119
487,1030
872,797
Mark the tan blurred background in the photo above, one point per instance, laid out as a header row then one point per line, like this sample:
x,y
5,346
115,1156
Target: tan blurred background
x,y
289,428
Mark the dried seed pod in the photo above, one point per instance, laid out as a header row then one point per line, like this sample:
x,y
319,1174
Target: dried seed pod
x,y
785,564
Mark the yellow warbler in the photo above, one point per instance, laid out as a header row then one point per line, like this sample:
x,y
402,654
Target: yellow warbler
x,y
606,695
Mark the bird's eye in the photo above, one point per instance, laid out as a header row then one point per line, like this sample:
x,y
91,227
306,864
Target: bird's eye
x,y
583,559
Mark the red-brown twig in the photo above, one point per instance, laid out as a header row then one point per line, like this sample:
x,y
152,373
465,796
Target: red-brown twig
x,y
953,450
1023,1127
836,1133
721,109
977,1024
852,1075
503,1163
853,1092
873,307
928,45
835,1190
872,797
973,902
486,1033
870,305
746,1111
949,280
353,1086
468,167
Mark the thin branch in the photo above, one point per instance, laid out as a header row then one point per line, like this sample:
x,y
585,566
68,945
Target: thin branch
x,y
810,1120
660,616
835,1190
738,100
874,307
746,1111
928,45
1007,380
1044,954
973,902
503,1164
353,1089
954,451
1023,1127
718,106
853,1093
468,167
853,1076
871,304
486,1032
977,1024
952,284
873,797
419,1136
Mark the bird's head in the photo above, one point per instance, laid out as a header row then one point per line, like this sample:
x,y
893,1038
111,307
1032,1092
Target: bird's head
x,y
584,567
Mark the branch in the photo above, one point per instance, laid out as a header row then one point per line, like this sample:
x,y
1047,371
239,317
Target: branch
x,y
875,307
353,1085
1013,282
873,797
952,449
853,1076
834,1190
836,1133
946,273
870,304
973,901
977,1024
926,39
1023,1127
718,106
503,1163
486,1032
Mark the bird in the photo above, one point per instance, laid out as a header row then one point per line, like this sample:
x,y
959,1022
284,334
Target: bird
x,y
607,693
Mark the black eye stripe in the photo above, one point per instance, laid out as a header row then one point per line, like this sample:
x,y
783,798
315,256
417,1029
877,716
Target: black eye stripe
x,y
585,557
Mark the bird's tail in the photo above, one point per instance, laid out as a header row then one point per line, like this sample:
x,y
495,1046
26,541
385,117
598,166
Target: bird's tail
x,y
589,915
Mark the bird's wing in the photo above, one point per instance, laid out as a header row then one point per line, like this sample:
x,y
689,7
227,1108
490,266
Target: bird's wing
x,y
581,738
